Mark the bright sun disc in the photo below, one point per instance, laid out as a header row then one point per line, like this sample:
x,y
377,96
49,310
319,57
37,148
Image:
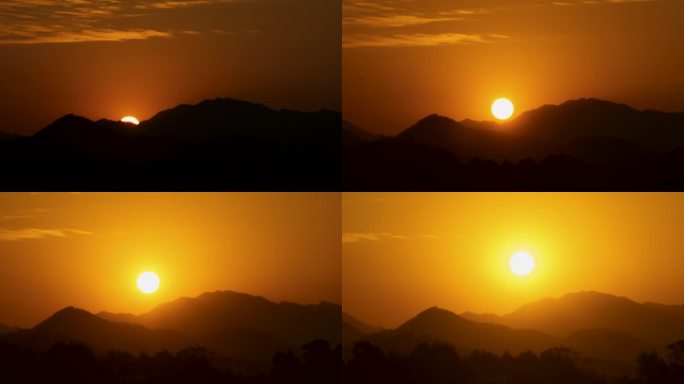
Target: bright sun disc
x,y
148,282
130,120
521,263
502,108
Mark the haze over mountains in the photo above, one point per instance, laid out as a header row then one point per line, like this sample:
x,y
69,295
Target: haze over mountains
x,y
247,330
216,144
584,144
610,330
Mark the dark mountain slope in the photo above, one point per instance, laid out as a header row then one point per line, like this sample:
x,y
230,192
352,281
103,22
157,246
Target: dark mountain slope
x,y
436,324
76,325
221,144
655,323
574,119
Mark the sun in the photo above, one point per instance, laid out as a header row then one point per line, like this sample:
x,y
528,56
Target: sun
x,y
148,282
502,108
130,120
521,263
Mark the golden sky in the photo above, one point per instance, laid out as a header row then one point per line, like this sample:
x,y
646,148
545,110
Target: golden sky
x,y
87,250
111,58
403,253
406,59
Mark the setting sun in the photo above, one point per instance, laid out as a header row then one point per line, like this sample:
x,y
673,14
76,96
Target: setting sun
x,y
502,108
130,120
148,282
521,263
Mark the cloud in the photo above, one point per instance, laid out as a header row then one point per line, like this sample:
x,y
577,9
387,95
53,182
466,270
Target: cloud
x,y
395,20
38,233
423,23
73,21
597,2
16,217
418,40
357,237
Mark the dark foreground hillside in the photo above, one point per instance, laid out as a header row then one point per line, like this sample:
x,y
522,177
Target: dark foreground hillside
x,y
441,363
77,363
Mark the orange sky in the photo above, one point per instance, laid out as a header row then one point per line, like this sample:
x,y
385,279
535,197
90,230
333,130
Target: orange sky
x,y
403,253
406,59
111,58
87,250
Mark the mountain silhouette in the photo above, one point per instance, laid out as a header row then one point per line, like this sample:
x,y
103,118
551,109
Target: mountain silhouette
x,y
354,329
658,131
436,324
580,145
219,311
215,144
354,136
472,142
244,331
241,325
4,136
612,332
4,329
76,325
655,323
609,345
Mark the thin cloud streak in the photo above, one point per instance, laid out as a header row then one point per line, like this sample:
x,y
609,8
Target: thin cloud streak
x,y
410,23
418,40
74,21
39,233
358,237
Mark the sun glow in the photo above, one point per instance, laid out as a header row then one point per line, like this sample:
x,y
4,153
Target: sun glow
x,y
148,282
502,108
130,120
521,263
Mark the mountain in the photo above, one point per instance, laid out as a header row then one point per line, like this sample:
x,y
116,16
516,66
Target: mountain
x,y
437,324
654,130
244,331
354,329
360,325
353,135
221,144
580,145
5,329
224,118
73,132
655,323
4,136
242,325
607,344
606,150
225,310
470,141
76,325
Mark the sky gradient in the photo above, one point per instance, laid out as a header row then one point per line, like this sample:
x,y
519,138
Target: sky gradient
x,y
403,253
406,59
87,250
112,58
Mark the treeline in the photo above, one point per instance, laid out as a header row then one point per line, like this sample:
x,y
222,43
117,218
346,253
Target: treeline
x,y
404,167
77,363
440,363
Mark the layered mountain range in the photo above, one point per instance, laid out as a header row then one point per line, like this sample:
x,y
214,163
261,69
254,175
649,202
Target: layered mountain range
x,y
215,144
247,330
584,144
612,331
